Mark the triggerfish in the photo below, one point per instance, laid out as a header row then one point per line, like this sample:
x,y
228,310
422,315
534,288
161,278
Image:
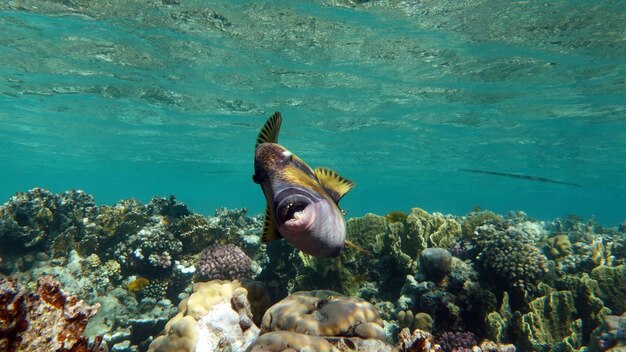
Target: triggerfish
x,y
302,203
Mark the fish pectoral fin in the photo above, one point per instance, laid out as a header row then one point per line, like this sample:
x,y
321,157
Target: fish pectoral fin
x,y
357,247
270,231
269,132
335,185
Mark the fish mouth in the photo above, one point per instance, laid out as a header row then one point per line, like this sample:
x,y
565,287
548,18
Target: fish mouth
x,y
295,212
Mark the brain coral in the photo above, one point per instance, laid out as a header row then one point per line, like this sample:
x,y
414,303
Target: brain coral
x,y
509,257
330,315
216,313
224,262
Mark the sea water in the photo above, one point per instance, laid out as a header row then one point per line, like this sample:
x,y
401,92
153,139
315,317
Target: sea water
x,y
134,99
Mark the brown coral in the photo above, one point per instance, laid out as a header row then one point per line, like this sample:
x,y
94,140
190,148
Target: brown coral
x,y
280,341
48,317
330,315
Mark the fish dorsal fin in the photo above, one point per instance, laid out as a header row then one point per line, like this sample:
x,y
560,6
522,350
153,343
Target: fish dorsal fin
x,y
269,132
335,185
270,232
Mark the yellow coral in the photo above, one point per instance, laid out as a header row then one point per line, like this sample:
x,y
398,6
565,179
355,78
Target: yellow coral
x,y
180,333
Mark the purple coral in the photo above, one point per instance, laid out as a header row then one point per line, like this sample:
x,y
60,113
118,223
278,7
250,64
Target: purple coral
x,y
456,341
223,262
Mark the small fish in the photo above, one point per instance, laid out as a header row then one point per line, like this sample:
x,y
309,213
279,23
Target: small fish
x,y
137,284
396,216
302,203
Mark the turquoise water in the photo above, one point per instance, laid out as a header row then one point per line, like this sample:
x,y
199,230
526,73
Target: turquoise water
x,y
134,99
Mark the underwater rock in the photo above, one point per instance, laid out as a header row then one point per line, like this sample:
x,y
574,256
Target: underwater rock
x,y
47,317
436,263
217,316
611,335
223,262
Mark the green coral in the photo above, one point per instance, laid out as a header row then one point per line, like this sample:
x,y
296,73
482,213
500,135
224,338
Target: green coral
x,y
509,258
559,246
478,218
552,323
612,286
433,230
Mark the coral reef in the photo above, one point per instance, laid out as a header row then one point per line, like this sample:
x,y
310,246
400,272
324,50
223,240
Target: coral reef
x,y
416,341
218,316
552,323
223,262
455,341
323,313
47,317
422,321
559,246
508,257
482,274
612,286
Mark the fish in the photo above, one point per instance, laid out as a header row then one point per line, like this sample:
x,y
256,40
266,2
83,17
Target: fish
x,y
137,284
396,216
302,204
520,176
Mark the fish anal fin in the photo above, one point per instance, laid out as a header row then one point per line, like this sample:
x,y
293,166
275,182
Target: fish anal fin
x,y
269,132
270,231
335,185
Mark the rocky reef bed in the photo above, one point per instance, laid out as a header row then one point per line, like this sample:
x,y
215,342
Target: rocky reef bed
x,y
157,277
